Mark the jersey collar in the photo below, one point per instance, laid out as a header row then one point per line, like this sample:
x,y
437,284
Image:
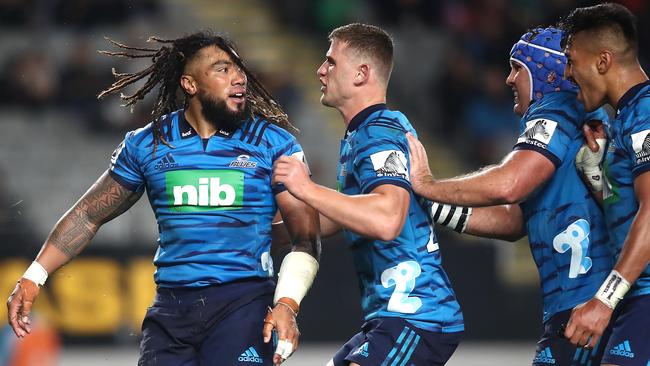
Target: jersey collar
x,y
362,116
187,131
630,94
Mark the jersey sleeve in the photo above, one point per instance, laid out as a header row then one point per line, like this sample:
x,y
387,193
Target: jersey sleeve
x,y
549,136
290,147
381,157
637,145
124,167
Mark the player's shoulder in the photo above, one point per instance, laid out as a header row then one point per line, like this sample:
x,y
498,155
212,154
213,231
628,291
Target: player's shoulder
x,y
259,131
143,137
385,122
560,107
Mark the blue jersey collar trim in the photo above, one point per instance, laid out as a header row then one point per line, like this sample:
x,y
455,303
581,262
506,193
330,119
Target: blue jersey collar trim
x,y
630,94
361,116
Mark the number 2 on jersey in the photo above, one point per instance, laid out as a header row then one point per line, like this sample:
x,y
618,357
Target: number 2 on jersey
x,y
576,239
402,276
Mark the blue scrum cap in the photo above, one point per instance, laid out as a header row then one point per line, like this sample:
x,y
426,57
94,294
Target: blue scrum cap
x,y
540,53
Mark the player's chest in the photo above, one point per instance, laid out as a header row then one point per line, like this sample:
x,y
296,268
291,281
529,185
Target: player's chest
x,y
345,178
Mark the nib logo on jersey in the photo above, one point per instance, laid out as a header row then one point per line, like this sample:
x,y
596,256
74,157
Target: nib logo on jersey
x,y
641,146
538,133
545,356
623,349
204,190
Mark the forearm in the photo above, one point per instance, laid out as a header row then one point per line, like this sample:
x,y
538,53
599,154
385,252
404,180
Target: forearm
x,y
105,200
503,222
488,187
366,214
635,255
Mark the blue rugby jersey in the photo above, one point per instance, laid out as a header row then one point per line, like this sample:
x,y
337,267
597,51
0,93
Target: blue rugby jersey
x,y
565,225
404,277
628,156
213,201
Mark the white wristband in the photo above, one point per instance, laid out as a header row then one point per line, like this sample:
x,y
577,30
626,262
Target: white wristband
x,y
613,289
453,217
296,275
36,273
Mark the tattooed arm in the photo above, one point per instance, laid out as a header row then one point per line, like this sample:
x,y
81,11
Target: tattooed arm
x,y
104,201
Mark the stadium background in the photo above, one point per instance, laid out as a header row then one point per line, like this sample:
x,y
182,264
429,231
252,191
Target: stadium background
x,y
56,139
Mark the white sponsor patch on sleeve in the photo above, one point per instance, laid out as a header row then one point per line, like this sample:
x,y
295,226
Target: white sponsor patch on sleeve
x,y
539,132
641,146
116,154
300,155
390,163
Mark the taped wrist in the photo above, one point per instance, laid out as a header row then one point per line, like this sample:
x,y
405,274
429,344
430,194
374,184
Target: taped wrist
x,y
296,275
36,273
588,163
613,289
453,217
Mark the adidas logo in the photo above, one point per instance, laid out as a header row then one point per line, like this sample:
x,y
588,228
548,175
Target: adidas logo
x,y
623,349
545,356
166,162
250,355
363,350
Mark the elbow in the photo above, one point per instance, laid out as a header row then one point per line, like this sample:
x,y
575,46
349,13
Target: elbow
x,y
388,230
510,192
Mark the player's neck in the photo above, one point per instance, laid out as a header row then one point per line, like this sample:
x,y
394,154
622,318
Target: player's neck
x,y
623,81
356,105
202,126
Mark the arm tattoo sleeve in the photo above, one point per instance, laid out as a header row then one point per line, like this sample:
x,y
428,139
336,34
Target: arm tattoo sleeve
x,y
104,201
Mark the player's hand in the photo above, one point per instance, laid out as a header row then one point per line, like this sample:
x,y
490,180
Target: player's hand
x,y
293,173
587,323
420,174
19,305
594,130
283,320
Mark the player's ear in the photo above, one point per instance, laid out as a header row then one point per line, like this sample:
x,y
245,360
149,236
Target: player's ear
x,y
188,84
362,75
604,61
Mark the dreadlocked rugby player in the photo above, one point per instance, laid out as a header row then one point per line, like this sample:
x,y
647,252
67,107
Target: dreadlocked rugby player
x,y
206,169
540,193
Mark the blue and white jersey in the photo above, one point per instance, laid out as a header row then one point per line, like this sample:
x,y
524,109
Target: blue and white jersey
x,y
212,198
404,277
628,156
565,225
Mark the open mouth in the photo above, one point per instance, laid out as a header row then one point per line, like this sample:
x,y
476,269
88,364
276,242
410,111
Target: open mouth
x,y
238,97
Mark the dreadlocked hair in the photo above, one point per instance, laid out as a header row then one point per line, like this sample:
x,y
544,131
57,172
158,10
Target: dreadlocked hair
x,y
167,65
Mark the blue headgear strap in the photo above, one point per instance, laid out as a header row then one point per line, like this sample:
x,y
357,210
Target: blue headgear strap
x,y
540,53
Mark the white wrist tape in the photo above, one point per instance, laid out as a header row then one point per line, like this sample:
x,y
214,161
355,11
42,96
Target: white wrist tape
x,y
284,349
453,217
36,273
589,164
613,289
296,275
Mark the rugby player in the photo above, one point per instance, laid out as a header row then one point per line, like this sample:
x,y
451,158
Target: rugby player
x,y
205,162
602,51
410,310
539,190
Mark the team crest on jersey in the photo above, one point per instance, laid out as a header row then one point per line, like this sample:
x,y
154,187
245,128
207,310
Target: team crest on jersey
x,y
641,146
538,132
243,161
390,163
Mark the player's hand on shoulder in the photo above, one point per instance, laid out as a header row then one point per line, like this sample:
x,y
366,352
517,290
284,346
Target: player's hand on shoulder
x,y
282,318
292,173
420,174
19,306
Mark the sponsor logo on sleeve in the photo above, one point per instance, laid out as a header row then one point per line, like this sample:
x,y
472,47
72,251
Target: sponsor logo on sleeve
x,y
390,163
641,146
539,132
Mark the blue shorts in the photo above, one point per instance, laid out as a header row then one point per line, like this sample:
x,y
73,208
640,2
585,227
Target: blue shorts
x,y
215,325
629,344
394,342
555,349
